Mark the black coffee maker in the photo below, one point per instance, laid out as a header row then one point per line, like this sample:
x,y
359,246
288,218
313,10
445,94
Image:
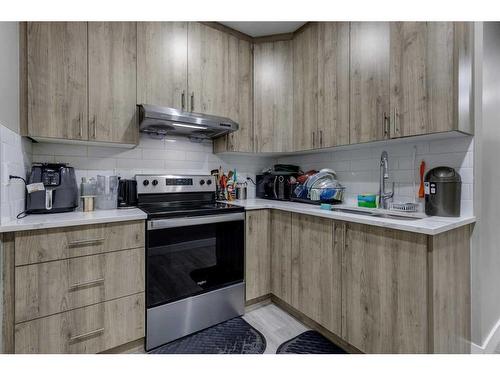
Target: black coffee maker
x,y
60,193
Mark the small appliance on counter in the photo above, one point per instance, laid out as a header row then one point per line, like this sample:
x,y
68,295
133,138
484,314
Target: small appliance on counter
x,y
443,189
51,188
127,193
277,183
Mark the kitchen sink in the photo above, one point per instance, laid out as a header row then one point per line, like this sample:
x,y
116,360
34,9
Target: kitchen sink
x,y
377,212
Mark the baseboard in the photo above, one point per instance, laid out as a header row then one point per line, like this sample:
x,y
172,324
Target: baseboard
x,y
491,342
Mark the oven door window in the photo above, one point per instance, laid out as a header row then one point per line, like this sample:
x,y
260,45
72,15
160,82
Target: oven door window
x,y
186,261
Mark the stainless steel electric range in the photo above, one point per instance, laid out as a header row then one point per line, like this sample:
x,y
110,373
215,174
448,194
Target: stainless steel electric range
x,y
195,252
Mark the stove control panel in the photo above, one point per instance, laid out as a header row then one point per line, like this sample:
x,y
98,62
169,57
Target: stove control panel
x,y
160,184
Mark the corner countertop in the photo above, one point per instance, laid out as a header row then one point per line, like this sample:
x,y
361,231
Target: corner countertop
x,y
69,219
430,225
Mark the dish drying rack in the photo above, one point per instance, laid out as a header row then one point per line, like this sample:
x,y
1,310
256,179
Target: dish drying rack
x,y
404,207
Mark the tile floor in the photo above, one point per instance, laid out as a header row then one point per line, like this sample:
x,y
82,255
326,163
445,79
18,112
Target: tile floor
x,y
276,325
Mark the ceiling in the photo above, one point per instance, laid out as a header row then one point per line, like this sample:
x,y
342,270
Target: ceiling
x,y
256,29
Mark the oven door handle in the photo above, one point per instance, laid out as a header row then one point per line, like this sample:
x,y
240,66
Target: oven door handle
x,y
197,220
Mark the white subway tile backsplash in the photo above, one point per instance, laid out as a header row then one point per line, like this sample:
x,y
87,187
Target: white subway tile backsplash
x,y
15,159
358,168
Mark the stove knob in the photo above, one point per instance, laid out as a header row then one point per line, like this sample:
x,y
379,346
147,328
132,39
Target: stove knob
x,y
145,182
202,182
209,182
155,182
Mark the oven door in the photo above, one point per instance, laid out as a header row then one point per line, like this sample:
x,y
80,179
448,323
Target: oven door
x,y
194,255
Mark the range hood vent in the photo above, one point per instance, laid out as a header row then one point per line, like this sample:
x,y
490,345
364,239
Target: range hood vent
x,y
170,121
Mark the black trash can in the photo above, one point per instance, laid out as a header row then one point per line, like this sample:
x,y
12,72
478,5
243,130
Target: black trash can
x,y
443,190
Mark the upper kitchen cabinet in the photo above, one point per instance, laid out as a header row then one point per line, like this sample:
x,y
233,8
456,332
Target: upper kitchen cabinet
x,y
112,82
369,81
333,84
240,97
57,80
305,88
273,96
208,70
430,63
162,63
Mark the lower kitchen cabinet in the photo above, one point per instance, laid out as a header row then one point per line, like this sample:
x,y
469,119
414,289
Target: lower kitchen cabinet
x,y
73,290
257,254
281,255
88,330
385,290
316,270
378,290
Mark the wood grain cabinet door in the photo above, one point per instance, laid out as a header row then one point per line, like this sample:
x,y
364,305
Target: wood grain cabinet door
x,y
240,94
112,82
369,81
162,64
208,70
422,78
57,80
257,254
333,84
281,255
316,269
273,96
305,88
384,282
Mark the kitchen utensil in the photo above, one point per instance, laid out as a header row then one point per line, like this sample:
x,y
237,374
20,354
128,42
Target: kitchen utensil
x,y
421,190
328,170
317,177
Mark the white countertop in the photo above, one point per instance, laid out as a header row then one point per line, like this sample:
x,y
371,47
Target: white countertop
x,y
430,225
68,219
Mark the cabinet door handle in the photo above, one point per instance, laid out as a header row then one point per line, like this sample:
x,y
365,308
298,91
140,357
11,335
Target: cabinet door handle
x,y
192,102
87,335
395,121
87,284
314,140
183,100
387,125
85,242
80,129
94,126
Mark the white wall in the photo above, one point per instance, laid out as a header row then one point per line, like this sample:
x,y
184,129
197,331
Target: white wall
x,y
485,255
357,166
170,155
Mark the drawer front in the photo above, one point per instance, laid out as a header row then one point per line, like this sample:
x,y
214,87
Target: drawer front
x,y
91,329
52,244
53,287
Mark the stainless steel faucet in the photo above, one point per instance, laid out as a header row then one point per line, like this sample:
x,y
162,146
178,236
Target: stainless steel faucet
x,y
384,197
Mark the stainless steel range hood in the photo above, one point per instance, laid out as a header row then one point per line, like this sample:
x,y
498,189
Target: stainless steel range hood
x,y
170,121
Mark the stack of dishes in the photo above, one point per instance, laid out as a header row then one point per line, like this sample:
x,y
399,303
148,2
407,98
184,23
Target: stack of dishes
x,y
324,187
